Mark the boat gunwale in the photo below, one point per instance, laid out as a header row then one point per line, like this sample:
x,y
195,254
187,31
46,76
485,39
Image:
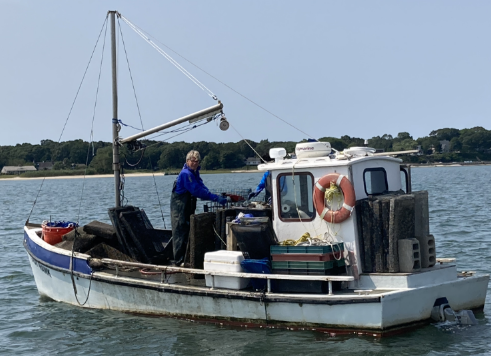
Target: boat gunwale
x,y
209,292
85,257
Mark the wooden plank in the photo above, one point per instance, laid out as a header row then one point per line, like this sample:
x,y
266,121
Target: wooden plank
x,y
401,226
379,259
231,239
367,228
201,238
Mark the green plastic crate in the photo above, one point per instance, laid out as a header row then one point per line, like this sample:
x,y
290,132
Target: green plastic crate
x,y
277,249
307,265
314,272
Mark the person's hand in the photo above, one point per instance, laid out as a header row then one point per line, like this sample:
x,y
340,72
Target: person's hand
x,y
252,195
222,200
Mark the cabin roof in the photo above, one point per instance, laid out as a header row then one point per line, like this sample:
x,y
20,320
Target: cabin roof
x,y
317,162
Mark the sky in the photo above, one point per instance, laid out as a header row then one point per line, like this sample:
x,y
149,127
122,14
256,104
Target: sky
x,y
285,70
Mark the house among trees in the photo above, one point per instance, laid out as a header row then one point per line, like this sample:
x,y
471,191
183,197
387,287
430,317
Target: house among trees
x,y
44,166
252,161
445,145
17,169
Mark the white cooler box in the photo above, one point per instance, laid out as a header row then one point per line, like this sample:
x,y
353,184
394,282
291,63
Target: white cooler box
x,y
226,261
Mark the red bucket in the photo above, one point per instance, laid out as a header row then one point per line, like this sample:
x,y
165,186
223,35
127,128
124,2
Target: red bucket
x,y
52,234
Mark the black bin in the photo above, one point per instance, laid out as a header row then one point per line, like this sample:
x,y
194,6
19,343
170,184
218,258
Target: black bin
x,y
255,236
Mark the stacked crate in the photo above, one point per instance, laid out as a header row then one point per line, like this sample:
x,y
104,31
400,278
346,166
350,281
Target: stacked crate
x,y
306,260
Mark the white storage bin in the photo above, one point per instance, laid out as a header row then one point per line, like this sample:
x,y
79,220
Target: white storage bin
x,y
226,261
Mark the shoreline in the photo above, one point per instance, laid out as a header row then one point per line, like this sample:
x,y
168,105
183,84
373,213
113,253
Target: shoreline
x,y
455,164
127,175
233,171
81,176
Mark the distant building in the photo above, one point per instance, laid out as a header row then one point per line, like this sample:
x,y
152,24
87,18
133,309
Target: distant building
x,y
17,169
80,166
252,161
44,166
445,144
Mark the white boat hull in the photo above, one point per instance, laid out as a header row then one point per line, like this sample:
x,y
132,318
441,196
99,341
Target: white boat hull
x,y
377,311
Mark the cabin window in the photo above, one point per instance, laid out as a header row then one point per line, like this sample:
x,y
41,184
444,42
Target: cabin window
x,y
295,202
375,180
406,179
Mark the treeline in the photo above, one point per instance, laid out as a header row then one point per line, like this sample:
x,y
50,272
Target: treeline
x,y
465,144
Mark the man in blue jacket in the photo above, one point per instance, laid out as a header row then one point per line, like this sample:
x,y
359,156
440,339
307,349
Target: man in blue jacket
x,y
266,183
187,187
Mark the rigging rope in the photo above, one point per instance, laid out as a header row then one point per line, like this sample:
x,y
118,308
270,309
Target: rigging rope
x,y
262,159
146,36
141,122
72,274
169,58
92,127
181,132
104,25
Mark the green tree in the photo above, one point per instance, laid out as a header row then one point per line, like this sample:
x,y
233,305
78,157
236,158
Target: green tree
x,y
173,156
152,155
336,143
445,134
263,149
475,139
401,136
381,142
103,160
245,149
428,143
58,166
229,159
78,151
211,161
455,144
61,151
405,145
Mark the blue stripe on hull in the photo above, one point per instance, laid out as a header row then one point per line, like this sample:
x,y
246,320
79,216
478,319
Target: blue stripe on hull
x,y
55,259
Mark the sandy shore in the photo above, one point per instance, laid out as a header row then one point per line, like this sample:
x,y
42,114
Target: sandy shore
x,y
88,176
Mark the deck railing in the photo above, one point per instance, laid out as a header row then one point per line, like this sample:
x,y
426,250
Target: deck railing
x,y
268,277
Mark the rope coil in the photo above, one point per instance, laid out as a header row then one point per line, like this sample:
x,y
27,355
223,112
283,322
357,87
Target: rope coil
x,y
332,194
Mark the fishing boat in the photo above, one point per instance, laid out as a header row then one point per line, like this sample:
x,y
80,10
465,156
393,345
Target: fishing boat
x,y
343,246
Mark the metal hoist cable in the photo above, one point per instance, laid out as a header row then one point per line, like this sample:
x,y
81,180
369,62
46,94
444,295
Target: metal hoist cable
x,y
169,58
252,148
141,122
142,34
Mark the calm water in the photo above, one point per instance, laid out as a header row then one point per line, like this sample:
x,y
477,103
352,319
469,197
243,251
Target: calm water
x,y
459,219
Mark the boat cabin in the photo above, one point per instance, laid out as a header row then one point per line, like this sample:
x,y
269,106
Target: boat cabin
x,y
295,183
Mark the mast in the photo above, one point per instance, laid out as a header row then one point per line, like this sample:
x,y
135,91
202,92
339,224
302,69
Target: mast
x,y
116,165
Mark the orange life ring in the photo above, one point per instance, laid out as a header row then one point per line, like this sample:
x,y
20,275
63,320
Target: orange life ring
x,y
345,185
